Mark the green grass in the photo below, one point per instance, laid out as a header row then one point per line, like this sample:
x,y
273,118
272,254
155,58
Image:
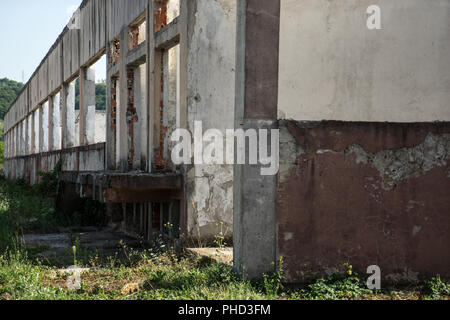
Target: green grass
x,y
157,273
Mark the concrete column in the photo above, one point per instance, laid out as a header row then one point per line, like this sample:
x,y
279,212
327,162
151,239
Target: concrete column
x,y
56,122
41,129
151,76
87,106
26,139
254,222
18,140
16,134
44,126
68,115
8,145
183,65
13,141
11,148
30,134
140,99
20,133
21,138
33,134
121,122
111,108
50,120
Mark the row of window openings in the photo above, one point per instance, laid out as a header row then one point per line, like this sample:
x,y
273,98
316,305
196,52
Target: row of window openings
x,y
95,120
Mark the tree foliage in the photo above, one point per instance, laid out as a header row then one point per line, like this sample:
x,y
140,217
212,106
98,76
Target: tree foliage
x,y
9,89
100,95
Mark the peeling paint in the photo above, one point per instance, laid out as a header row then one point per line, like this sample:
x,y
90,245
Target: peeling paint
x,y
406,276
290,151
397,165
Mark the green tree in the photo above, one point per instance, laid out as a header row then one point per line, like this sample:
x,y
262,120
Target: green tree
x,y
9,90
100,95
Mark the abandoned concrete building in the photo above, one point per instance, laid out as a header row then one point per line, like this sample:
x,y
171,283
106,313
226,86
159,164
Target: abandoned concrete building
x,y
363,117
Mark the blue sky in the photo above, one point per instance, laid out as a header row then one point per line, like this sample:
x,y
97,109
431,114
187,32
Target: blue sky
x,y
28,28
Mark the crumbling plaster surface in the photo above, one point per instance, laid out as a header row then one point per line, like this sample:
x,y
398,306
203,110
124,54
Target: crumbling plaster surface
x,y
395,166
210,92
390,181
332,67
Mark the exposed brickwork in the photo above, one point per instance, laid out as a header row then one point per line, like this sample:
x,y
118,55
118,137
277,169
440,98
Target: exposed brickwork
x,y
134,37
132,117
114,51
160,16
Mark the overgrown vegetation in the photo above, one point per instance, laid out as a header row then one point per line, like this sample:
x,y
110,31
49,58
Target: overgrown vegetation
x,y
436,288
49,181
23,210
159,272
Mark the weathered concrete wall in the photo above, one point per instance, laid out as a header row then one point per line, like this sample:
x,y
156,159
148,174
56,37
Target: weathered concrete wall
x,y
89,158
332,67
364,194
210,92
99,126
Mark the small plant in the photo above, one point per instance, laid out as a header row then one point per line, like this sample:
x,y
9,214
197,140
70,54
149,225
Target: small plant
x,y
219,239
273,281
339,286
436,288
74,250
49,181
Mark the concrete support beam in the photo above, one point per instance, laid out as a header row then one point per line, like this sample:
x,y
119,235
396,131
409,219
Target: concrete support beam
x,y
22,138
26,138
111,109
14,142
44,126
140,127
68,115
121,122
150,81
6,145
33,134
7,156
183,65
256,108
18,140
56,122
50,121
40,126
87,106
168,36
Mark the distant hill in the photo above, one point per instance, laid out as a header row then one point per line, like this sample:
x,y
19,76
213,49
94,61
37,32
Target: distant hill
x,y
9,89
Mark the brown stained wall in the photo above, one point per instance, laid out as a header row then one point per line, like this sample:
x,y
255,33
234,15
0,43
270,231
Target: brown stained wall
x,y
364,194
261,58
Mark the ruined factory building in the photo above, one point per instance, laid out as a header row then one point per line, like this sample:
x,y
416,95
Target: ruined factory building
x,y
357,100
